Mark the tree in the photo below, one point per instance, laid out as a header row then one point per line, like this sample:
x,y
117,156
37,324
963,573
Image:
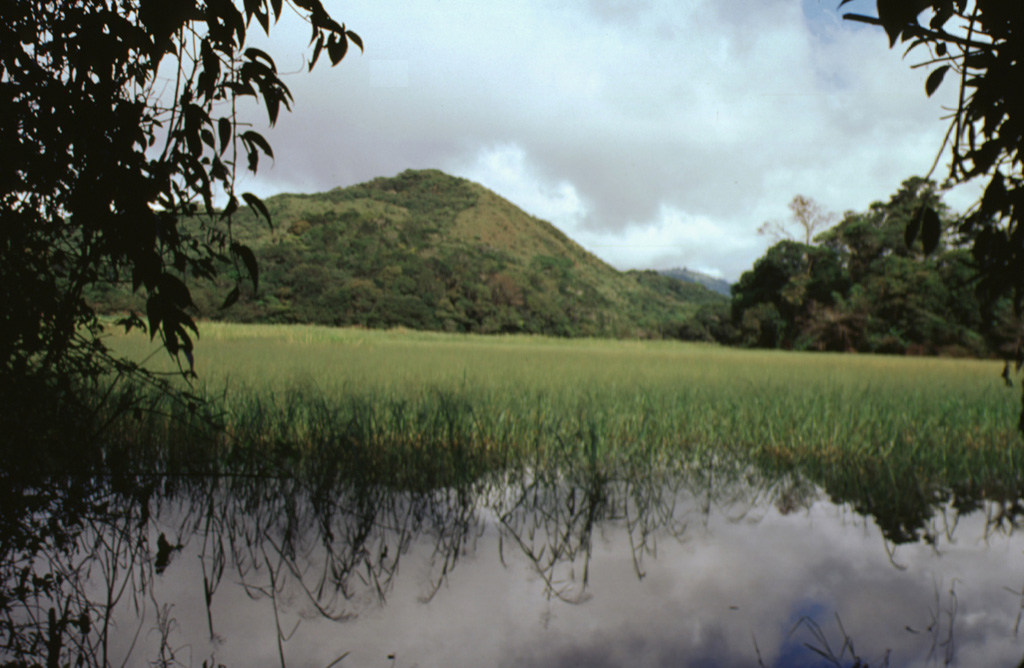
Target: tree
x,y
119,128
787,284
980,43
863,238
808,217
863,287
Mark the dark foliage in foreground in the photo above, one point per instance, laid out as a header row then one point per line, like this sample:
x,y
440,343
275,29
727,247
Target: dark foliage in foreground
x,y
102,158
978,45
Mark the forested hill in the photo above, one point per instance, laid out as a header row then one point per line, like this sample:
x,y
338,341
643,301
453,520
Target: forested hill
x,y
426,250
719,285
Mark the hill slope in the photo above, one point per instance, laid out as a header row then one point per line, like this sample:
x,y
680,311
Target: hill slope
x,y
718,285
426,250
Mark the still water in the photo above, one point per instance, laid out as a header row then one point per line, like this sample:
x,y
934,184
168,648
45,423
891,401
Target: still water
x,y
520,569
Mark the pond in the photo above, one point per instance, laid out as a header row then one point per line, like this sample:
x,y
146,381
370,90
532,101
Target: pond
x,y
582,567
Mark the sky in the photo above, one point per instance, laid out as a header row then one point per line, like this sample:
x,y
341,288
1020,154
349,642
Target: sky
x,y
657,134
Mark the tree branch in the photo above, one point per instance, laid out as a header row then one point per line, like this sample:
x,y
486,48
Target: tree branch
x,y
925,33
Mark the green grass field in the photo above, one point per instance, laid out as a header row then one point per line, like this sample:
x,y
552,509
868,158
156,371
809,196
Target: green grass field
x,y
395,397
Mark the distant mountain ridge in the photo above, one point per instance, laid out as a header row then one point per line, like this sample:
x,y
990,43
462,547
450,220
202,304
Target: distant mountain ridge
x,y
426,250
718,285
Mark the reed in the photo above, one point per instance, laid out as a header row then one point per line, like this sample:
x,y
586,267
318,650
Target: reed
x,y
384,402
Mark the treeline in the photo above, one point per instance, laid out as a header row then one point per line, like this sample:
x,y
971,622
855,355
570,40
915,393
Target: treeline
x,y
860,287
428,251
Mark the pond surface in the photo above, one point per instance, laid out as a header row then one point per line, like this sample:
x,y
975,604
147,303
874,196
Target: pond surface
x,y
520,569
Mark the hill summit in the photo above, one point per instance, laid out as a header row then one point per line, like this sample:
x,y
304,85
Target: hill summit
x,y
426,250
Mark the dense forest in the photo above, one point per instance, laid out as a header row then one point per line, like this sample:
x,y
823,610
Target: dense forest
x,y
859,286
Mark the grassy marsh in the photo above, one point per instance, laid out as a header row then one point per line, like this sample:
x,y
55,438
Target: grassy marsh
x,y
305,387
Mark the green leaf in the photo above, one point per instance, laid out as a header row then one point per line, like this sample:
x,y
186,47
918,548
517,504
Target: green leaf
x,y
995,200
146,270
175,291
258,207
935,80
316,52
249,260
240,88
931,229
336,49
896,16
251,7
252,53
171,330
224,130
187,319
264,20
257,139
273,104
943,12
231,208
910,234
231,298
154,312
356,39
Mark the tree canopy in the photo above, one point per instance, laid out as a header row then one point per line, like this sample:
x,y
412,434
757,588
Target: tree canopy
x,y
119,118
861,287
979,43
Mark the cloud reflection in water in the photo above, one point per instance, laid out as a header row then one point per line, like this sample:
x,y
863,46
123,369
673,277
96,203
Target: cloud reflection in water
x,y
536,570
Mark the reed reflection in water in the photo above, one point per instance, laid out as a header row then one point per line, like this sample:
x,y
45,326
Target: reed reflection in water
x,y
702,565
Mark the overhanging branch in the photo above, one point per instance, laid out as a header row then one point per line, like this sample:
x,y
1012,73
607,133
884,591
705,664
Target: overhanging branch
x,y
925,33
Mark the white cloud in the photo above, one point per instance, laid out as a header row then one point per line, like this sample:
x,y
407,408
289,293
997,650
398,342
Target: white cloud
x,y
611,114
506,170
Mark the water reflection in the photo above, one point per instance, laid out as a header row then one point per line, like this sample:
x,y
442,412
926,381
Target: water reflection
x,y
708,564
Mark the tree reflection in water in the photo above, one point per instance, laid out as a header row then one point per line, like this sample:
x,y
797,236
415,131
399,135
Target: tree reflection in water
x,y
81,556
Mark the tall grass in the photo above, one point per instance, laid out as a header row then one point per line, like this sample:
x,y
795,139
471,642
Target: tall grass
x,y
391,400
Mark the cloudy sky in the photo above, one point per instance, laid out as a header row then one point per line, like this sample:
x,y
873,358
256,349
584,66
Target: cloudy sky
x,y
655,133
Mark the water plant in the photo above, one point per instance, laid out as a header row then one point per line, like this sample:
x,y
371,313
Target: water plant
x,y
378,403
